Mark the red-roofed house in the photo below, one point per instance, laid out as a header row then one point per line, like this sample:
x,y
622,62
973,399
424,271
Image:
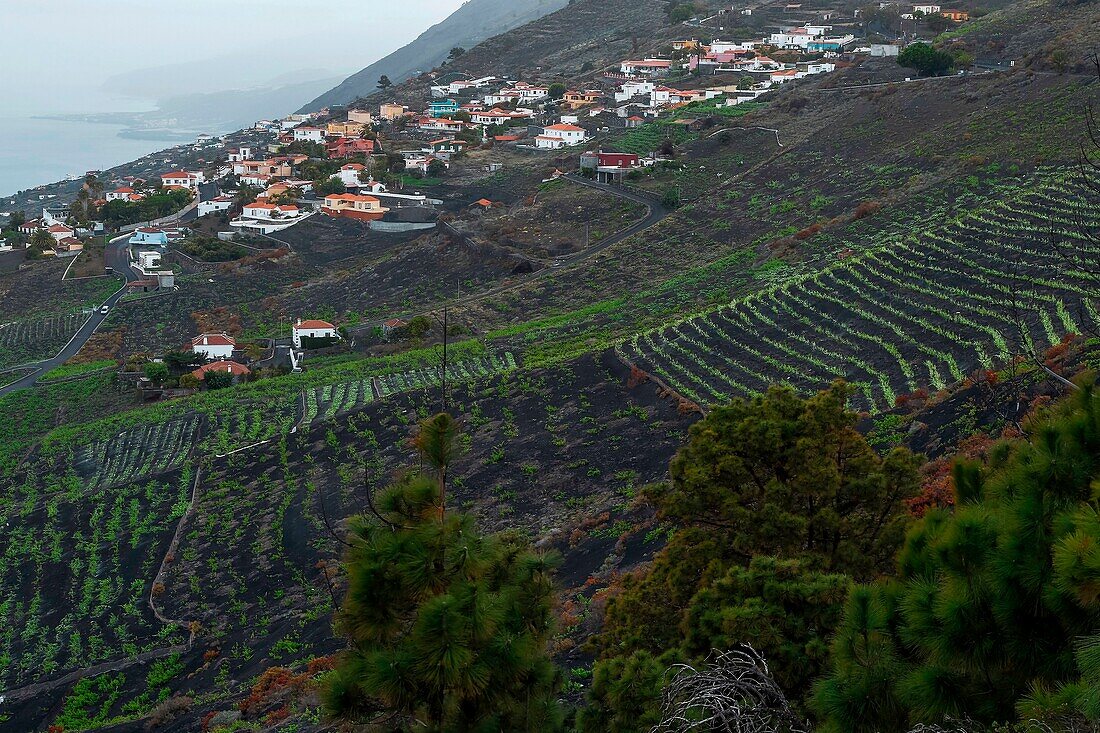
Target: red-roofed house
x,y
229,367
313,329
392,325
60,231
353,206
497,116
349,174
559,136
646,66
609,166
345,147
123,193
307,133
214,346
182,179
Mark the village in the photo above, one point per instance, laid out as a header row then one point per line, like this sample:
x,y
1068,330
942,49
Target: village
x,y
371,165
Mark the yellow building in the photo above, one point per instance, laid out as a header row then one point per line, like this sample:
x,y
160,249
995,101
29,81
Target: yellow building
x,y
361,116
392,111
345,129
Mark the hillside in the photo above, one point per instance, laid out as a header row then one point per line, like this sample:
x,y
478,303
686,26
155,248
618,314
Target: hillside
x,y
472,23
174,565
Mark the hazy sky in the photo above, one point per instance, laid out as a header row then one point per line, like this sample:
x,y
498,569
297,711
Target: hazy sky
x,y
56,54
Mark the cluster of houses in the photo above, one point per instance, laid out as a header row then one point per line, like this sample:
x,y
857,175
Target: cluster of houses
x,y
66,238
220,353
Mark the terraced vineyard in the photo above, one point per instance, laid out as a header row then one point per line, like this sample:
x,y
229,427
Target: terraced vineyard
x,y
75,570
923,311
36,339
334,399
144,451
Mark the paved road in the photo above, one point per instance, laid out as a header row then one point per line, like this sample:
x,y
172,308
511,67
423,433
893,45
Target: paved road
x,y
118,258
655,212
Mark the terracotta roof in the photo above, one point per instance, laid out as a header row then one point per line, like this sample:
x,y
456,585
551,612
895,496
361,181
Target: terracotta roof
x,y
123,189
213,339
231,367
483,202
350,197
563,127
353,166
257,205
394,323
312,324
58,228
178,174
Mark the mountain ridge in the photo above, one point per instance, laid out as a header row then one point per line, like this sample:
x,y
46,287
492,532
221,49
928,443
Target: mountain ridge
x,y
472,23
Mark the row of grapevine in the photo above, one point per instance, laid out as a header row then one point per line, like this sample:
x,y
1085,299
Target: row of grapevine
x,y
923,311
334,399
36,339
129,456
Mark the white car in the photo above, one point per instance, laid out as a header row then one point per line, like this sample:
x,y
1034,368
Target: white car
x,y
105,309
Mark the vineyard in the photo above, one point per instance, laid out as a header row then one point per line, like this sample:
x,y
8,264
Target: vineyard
x,y
75,566
330,400
919,312
32,340
144,451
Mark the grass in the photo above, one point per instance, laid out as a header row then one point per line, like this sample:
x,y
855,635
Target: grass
x,y
66,371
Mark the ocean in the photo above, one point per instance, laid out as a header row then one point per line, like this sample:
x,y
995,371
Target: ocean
x,y
37,151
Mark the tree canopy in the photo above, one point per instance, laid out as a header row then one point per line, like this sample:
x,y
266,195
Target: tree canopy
x,y
928,61
995,611
776,504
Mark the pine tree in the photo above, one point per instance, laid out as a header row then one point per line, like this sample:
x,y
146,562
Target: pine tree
x,y
995,602
447,628
777,503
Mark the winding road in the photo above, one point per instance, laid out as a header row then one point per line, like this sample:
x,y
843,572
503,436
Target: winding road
x,y
116,256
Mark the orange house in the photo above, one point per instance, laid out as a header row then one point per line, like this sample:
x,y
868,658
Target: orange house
x,y
353,206
578,99
956,15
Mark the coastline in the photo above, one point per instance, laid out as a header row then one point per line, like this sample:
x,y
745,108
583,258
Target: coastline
x,y
49,150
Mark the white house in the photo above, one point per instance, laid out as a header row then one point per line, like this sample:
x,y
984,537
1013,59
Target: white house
x,y
219,203
723,47
311,329
292,121
259,180
182,179
645,66
238,154
60,231
926,9
498,116
349,174
793,38
265,211
559,136
456,87
214,346
305,133
123,193
632,89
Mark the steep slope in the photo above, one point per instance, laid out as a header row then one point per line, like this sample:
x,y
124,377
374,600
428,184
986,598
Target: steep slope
x,y
571,44
472,23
